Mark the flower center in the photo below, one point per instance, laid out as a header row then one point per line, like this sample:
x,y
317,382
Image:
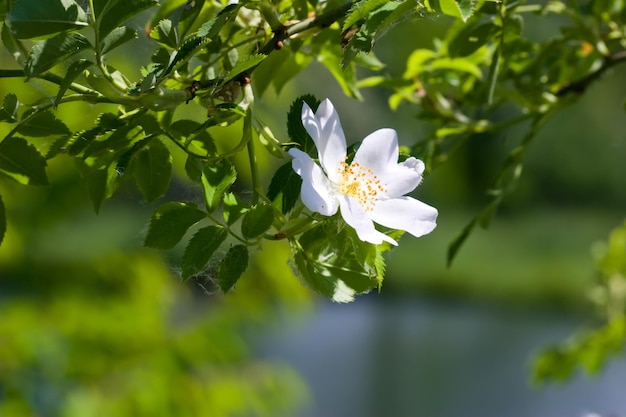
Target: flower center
x,y
360,183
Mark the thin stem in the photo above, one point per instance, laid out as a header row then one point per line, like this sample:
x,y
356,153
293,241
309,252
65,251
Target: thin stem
x,y
48,76
254,171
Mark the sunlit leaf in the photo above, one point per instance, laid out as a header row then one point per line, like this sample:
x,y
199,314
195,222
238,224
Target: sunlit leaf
x,y
165,34
189,16
22,162
216,179
232,266
41,19
232,208
200,249
116,12
361,10
170,222
244,65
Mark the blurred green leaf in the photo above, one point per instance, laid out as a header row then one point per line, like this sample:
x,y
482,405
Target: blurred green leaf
x,y
216,179
461,9
50,52
189,16
232,266
101,179
38,19
200,249
153,169
117,37
170,222
22,162
361,10
3,220
257,220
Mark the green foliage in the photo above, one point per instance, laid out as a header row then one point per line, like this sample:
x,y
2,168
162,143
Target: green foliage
x,y
592,349
191,101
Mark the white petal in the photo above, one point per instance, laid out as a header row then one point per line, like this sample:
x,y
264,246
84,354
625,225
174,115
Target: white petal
x,y
379,151
403,178
405,213
356,216
316,192
325,130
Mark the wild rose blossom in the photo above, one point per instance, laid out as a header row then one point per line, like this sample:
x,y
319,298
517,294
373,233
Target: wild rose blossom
x,y
370,189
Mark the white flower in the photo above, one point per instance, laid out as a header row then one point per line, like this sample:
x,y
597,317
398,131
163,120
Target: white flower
x,y
371,189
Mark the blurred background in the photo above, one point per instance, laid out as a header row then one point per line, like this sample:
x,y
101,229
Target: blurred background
x,y
92,324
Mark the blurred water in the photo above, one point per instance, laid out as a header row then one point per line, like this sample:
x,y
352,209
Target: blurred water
x,y
417,357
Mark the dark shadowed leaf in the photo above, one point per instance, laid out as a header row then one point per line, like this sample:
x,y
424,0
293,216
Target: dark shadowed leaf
x,y
153,169
284,188
257,220
43,124
200,249
73,71
3,220
22,162
232,266
8,113
39,19
170,222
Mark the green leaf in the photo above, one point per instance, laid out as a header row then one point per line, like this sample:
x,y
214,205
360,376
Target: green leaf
x,y
244,65
117,37
458,241
46,54
101,180
3,220
117,142
153,170
200,249
232,208
296,131
461,9
38,19
470,38
232,266
186,51
81,140
8,113
43,124
73,71
278,69
337,264
284,188
188,16
216,179
332,59
257,220
361,10
170,222
22,162
165,34
12,44
116,12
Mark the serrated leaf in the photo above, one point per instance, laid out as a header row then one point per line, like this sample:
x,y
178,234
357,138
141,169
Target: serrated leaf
x,y
244,65
80,140
170,222
232,266
216,179
46,54
43,124
232,208
73,71
116,142
212,27
186,51
117,37
38,19
116,12
337,265
22,162
153,170
257,220
8,113
361,10
284,188
3,220
295,129
200,249
164,34
188,16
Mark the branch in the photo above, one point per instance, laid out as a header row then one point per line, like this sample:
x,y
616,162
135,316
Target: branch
x,y
579,87
48,76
